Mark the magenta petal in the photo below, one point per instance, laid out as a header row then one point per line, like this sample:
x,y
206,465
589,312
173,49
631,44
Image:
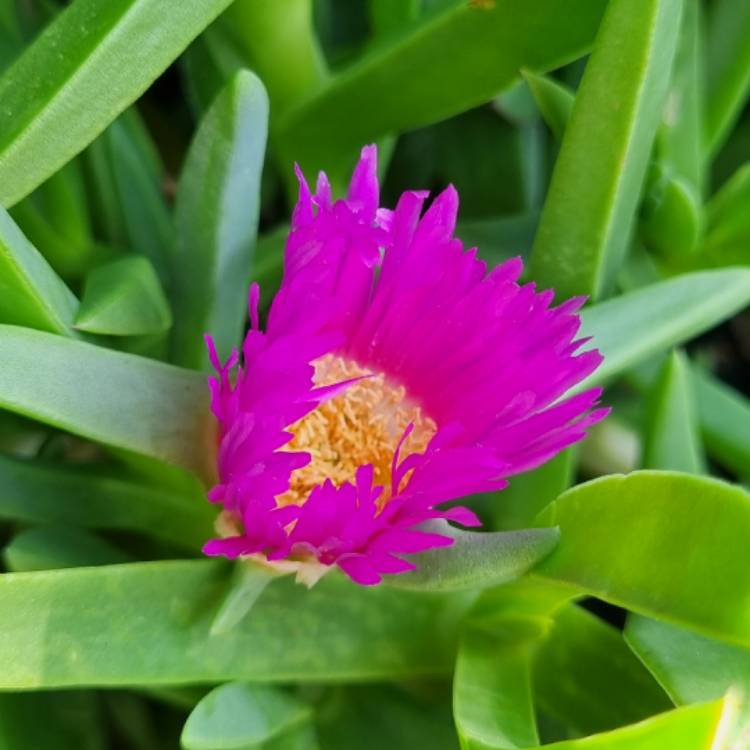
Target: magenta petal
x,y
489,360
359,569
462,516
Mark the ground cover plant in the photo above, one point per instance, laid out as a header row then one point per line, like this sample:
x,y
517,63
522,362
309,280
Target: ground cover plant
x,y
536,530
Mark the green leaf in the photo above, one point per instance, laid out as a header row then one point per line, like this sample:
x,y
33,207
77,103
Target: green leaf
x,y
727,68
668,545
594,191
554,99
34,492
110,397
31,294
671,220
457,58
50,547
680,139
724,416
476,559
124,298
492,698
217,219
672,440
209,62
278,41
241,716
55,217
136,176
151,622
691,728
691,667
90,63
727,221
632,327
586,677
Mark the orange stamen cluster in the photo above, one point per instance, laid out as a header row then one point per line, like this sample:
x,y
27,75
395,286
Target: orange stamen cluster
x,y
363,425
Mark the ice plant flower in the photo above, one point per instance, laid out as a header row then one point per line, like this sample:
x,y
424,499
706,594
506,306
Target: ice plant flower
x,y
396,374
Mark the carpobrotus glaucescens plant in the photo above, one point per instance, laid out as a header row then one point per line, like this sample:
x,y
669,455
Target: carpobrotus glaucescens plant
x,y
396,374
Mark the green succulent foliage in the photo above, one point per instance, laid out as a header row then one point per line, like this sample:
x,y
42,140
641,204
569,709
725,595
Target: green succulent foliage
x,y
145,179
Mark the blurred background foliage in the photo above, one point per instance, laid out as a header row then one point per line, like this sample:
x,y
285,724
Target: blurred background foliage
x,y
146,152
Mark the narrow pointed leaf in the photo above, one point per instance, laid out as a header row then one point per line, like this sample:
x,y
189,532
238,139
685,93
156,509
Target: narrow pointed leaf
x,y
554,99
593,195
217,219
117,399
34,492
151,622
457,58
724,416
31,293
672,440
124,298
636,325
93,60
727,68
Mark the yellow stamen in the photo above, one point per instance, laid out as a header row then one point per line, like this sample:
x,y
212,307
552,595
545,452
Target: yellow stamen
x,y
363,425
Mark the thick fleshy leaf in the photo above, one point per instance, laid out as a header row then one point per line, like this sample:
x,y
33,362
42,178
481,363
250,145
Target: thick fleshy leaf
x,y
93,60
151,622
648,542
56,219
34,492
691,667
672,439
50,547
728,221
492,696
727,68
136,179
636,325
279,42
110,397
680,139
31,294
217,218
691,728
242,715
476,560
555,101
724,416
457,58
671,219
124,298
586,677
593,195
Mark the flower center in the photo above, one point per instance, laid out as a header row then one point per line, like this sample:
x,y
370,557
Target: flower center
x,y
363,425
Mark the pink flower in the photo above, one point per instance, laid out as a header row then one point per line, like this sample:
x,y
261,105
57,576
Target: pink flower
x,y
395,374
